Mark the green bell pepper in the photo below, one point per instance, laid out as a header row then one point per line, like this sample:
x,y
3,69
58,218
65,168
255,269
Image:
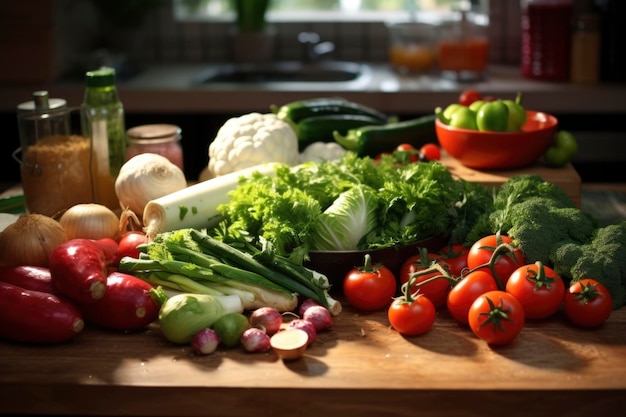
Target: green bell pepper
x,y
517,114
562,151
493,116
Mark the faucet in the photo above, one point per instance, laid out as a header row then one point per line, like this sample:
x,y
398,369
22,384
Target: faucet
x,y
313,48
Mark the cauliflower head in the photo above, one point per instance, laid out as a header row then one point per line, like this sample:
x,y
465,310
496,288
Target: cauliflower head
x,y
252,139
321,151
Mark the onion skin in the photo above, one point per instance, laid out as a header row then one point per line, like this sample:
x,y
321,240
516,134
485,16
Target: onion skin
x,y
90,221
127,304
78,269
30,240
37,317
34,278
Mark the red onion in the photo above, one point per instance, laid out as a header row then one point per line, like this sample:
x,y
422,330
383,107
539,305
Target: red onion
x,y
205,341
255,340
305,325
320,317
309,302
267,319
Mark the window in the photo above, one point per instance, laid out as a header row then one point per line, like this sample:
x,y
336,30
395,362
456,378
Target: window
x,y
323,10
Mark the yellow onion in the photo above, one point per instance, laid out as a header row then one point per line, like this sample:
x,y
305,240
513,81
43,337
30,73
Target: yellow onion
x,y
90,221
30,240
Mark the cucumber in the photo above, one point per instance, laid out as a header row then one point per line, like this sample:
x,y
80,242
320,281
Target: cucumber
x,y
372,140
321,128
297,111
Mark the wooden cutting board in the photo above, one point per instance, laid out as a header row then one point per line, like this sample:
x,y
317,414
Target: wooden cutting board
x,y
567,178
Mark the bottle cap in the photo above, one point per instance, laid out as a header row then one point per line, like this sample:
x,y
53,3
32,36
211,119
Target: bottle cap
x,y
102,77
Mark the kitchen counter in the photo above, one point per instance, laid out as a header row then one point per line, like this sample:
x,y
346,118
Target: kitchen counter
x,y
359,367
168,89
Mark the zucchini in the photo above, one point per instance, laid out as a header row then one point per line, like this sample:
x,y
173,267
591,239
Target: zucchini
x,y
321,128
373,140
299,110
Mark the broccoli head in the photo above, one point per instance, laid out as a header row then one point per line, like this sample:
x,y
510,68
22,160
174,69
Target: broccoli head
x,y
517,190
539,226
603,258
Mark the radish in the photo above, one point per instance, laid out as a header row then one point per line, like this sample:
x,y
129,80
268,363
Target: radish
x,y
37,317
267,319
205,341
305,325
78,268
35,278
319,316
309,302
255,340
127,304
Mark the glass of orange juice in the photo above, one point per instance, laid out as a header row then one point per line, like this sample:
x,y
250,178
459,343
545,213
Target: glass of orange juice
x,y
412,47
463,49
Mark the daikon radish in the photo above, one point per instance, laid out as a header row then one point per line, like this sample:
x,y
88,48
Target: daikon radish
x,y
196,205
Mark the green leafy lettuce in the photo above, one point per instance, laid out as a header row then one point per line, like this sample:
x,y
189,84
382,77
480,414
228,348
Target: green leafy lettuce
x,y
353,203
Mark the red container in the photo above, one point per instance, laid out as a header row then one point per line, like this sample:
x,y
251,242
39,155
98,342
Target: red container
x,y
499,150
546,33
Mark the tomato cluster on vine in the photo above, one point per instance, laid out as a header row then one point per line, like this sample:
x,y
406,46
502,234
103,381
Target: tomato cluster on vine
x,y
489,287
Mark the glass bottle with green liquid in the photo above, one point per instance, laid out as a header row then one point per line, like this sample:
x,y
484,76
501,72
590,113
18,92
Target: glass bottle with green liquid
x,y
102,121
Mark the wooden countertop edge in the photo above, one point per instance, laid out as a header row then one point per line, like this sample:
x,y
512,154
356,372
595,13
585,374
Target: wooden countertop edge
x,y
259,402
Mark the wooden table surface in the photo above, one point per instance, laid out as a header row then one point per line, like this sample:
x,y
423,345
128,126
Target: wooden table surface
x,y
359,367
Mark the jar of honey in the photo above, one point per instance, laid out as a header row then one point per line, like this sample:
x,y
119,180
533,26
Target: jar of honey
x,y
162,139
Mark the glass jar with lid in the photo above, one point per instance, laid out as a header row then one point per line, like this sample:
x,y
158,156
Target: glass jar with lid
x,y
54,163
162,139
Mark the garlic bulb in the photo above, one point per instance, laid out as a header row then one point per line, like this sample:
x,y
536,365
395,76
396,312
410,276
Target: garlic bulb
x,y
30,240
90,221
146,177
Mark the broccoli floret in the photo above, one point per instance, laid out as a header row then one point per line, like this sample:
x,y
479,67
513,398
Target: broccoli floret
x,y
539,227
523,187
517,190
603,258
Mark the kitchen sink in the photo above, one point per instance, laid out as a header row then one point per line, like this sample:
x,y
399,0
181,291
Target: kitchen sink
x,y
283,72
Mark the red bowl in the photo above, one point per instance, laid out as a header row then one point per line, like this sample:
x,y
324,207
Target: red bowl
x,y
499,150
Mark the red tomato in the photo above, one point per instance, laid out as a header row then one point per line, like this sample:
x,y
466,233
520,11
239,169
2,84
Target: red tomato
x,y
496,317
431,152
370,287
412,154
587,303
463,294
482,250
538,288
411,318
437,290
129,242
455,256
467,97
